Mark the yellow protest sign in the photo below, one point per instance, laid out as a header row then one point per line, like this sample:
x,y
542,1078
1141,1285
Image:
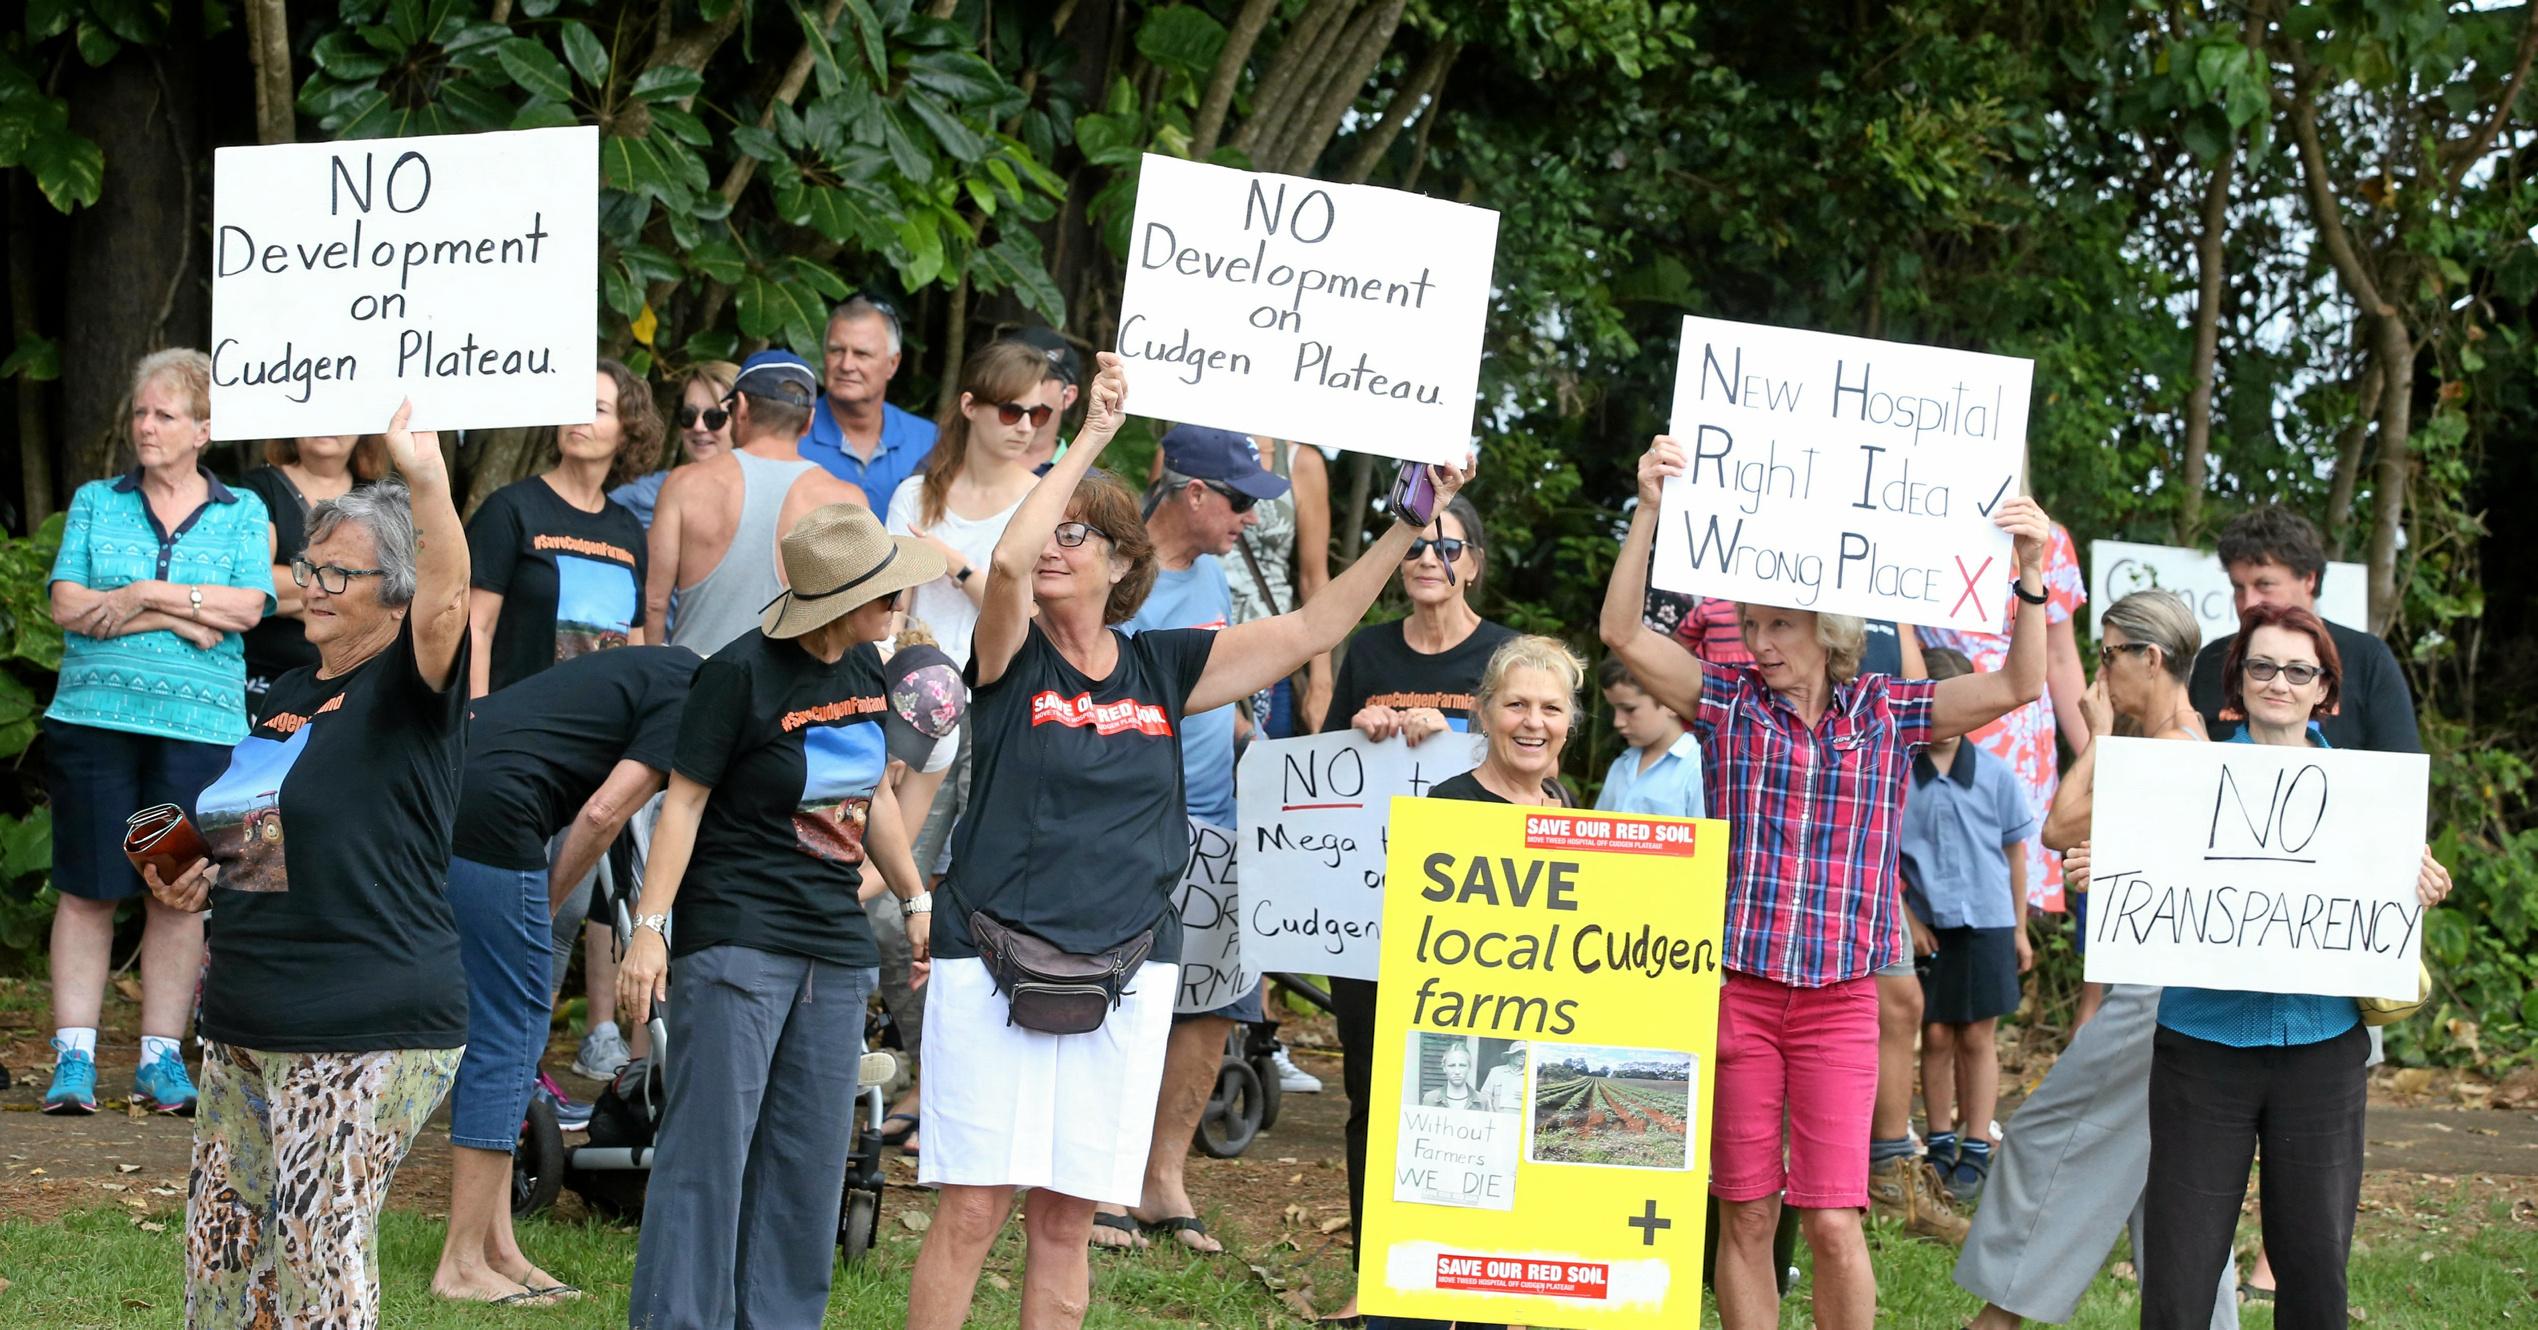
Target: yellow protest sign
x,y
1538,1145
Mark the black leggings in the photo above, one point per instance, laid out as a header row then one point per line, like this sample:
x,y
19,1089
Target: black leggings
x,y
2211,1105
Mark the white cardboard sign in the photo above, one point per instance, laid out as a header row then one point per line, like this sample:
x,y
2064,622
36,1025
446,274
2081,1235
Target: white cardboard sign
x,y
1347,316
460,270
2256,868
1313,813
1843,475
2119,568
1210,907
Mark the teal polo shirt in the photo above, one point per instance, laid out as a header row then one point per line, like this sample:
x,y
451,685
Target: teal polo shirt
x,y
157,683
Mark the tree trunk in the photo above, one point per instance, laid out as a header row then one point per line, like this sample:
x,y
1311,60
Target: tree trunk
x,y
1415,94
2348,457
35,447
1223,80
1361,492
1361,48
2209,256
955,348
269,42
1299,59
503,456
2393,346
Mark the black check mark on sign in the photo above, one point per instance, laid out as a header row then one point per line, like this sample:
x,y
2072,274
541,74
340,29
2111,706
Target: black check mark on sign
x,y
1996,497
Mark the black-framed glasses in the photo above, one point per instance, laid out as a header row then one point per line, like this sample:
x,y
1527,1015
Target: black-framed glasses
x,y
1011,413
330,578
2106,652
713,416
1234,498
1447,548
2301,673
1071,534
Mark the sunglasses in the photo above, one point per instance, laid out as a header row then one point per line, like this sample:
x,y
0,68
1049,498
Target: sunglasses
x,y
2106,653
1011,413
1234,498
1447,548
2301,674
713,416
1071,534
330,578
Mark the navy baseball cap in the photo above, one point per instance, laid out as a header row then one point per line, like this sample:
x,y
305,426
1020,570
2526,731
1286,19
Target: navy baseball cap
x,y
1222,456
779,376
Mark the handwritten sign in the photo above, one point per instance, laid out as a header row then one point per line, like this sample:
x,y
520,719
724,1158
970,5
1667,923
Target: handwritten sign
x,y
1212,971
1538,1144
1312,814
2119,568
1843,475
460,270
2256,868
1341,315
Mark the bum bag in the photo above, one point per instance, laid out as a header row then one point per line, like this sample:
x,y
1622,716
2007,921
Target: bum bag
x,y
1052,990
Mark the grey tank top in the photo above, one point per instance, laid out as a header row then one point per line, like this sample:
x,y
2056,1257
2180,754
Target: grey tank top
x,y
710,614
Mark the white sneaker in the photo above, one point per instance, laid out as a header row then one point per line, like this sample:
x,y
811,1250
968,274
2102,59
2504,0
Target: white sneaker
x,y
602,1053
1291,1078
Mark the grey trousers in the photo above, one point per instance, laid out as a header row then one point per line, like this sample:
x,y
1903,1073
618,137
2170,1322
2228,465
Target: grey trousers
x,y
740,1219
2071,1171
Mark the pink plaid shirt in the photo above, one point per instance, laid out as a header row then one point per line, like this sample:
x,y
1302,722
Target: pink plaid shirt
x,y
1816,817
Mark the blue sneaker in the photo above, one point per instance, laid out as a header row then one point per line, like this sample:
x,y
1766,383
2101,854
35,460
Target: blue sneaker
x,y
163,1086
74,1081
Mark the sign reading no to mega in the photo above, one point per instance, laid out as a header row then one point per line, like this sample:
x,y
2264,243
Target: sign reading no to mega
x,y
458,270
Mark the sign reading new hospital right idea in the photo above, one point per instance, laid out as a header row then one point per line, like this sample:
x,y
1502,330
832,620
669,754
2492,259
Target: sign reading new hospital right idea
x,y
1342,315
1843,475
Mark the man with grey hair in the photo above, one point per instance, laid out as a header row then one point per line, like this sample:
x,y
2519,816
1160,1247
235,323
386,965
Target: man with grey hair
x,y
859,437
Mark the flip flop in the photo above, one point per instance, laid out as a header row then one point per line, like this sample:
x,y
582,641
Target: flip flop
x,y
1179,1224
567,1291
892,1137
2248,1292
524,1295
1118,1224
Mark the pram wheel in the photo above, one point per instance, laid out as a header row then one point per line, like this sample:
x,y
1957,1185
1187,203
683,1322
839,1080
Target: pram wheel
x,y
857,1223
1233,1112
537,1169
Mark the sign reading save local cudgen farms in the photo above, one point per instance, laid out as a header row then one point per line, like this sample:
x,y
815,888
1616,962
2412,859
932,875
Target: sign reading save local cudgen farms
x,y
1843,475
459,270
2257,868
1539,1144
1312,812
1343,315
1213,971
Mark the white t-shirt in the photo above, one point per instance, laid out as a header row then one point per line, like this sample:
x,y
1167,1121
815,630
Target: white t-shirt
x,y
942,605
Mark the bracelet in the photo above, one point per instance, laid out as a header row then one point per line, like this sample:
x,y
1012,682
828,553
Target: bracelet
x,y
920,903
2018,588
658,923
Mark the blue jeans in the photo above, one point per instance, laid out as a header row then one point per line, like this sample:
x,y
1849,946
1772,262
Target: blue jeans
x,y
502,945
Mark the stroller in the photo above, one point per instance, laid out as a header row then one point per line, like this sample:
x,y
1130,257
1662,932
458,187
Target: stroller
x,y
610,1169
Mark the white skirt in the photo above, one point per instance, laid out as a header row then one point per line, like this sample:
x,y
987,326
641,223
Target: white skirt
x,y
1003,1106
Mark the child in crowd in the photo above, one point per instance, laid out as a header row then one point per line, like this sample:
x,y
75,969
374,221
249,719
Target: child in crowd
x,y
1965,886
1661,771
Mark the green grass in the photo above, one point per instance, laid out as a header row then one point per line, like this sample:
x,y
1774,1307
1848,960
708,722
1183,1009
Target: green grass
x,y
2458,1257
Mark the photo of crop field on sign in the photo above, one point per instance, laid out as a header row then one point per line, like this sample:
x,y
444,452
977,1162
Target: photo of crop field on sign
x,y
1616,1107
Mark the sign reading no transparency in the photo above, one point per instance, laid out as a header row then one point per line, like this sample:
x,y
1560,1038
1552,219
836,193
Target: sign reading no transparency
x,y
1343,315
2256,868
460,270
1843,475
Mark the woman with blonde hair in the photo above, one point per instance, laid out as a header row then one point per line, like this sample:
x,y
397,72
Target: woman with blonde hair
x,y
703,422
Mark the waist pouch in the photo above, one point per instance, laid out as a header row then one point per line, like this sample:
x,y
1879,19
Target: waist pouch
x,y
1052,990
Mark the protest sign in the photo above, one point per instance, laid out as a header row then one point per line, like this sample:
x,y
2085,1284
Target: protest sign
x,y
1312,814
1539,1138
1342,315
2119,568
1210,908
460,270
1843,475
2256,868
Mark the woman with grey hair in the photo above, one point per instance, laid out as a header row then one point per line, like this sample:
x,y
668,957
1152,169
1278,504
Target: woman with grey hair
x,y
334,1012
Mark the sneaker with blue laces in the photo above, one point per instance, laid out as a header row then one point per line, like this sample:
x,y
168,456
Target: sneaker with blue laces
x,y
163,1087
74,1081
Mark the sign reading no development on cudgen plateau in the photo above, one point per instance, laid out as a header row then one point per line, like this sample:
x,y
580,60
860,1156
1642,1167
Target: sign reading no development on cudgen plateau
x,y
1537,1147
1843,475
2256,868
459,270
1343,315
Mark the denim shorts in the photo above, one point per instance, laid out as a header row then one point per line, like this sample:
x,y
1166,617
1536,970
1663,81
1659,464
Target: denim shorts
x,y
502,945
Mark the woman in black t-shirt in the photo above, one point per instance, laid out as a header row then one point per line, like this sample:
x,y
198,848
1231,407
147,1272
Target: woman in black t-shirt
x,y
776,802
333,1008
297,475
1078,781
558,565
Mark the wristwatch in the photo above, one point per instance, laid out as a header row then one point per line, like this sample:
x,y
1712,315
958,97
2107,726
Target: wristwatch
x,y
658,923
920,903
195,595
966,572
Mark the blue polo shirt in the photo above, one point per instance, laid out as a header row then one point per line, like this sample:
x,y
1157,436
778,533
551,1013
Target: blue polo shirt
x,y
2258,1020
1957,827
905,440
1197,597
157,683
1671,788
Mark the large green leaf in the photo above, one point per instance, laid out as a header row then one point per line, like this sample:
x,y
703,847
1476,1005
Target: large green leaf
x,y
70,170
535,69
957,139
342,55
772,309
1110,140
26,844
638,166
1182,37
668,83
719,259
959,75
868,30
38,358
589,59
912,161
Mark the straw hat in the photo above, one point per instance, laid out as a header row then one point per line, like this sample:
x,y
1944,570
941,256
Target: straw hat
x,y
838,559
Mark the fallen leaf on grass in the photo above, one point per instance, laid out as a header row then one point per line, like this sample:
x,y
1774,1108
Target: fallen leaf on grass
x,y
149,1225
129,987
138,1305
127,1168
917,1221
1334,1224
1000,1283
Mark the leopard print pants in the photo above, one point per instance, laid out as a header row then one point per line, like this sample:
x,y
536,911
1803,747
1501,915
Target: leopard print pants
x,y
292,1157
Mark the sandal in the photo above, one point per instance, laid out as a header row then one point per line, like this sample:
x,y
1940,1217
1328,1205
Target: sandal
x,y
1172,1229
1118,1224
897,1138
2248,1292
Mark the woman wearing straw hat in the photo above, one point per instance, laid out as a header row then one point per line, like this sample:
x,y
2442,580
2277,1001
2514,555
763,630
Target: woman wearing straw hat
x,y
776,800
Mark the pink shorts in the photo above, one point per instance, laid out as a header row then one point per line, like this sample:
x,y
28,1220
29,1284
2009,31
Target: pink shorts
x,y
1810,1053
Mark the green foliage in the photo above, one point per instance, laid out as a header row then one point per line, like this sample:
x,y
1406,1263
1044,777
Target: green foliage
x,y
30,655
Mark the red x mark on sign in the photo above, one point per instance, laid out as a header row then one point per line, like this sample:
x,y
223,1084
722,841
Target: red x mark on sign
x,y
1969,593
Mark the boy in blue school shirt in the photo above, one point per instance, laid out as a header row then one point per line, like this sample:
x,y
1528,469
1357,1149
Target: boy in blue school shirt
x,y
1661,771
1965,825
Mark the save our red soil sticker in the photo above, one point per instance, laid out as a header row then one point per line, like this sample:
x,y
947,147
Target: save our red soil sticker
x,y
1500,1274
1612,835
